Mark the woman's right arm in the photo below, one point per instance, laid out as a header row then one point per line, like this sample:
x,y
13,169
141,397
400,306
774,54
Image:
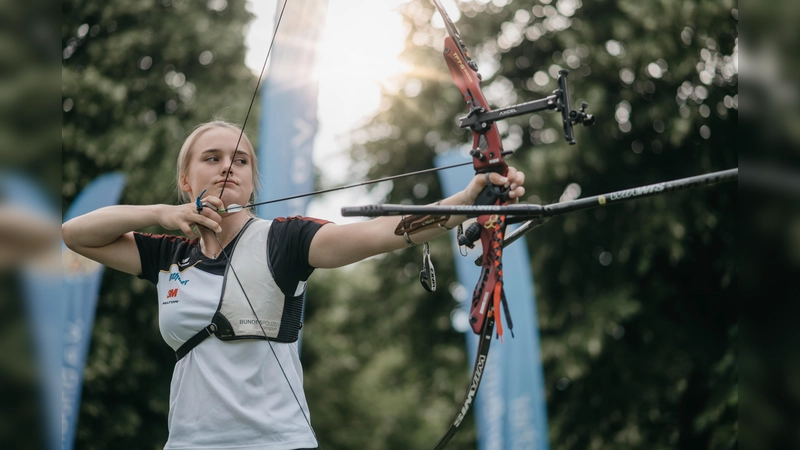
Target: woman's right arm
x,y
106,235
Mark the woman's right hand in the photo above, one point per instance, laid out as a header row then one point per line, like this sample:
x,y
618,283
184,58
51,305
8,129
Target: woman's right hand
x,y
186,217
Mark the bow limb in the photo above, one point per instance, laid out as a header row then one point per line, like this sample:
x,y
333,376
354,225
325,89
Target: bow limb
x,y
484,341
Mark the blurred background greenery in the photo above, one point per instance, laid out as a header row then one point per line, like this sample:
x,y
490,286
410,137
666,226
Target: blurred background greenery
x,y
637,303
29,142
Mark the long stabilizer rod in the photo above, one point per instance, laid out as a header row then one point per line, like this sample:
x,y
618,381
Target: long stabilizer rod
x,y
521,212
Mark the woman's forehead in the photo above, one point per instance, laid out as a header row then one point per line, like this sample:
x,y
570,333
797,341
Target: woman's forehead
x,y
222,139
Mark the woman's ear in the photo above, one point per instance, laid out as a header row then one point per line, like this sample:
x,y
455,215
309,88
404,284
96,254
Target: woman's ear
x,y
185,187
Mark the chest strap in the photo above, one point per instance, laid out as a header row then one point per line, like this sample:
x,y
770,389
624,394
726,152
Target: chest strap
x,y
195,340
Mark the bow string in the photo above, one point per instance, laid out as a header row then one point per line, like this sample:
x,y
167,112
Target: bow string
x,y
227,257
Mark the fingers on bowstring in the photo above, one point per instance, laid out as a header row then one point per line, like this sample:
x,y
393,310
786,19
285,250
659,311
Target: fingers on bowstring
x,y
188,230
206,216
210,219
214,202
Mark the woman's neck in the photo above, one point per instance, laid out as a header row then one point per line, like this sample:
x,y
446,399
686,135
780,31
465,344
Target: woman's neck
x,y
212,245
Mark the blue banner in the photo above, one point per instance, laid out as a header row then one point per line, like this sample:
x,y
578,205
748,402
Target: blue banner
x,y
510,408
288,121
80,286
40,279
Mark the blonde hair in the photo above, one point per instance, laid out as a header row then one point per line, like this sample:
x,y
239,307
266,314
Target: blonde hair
x,y
188,144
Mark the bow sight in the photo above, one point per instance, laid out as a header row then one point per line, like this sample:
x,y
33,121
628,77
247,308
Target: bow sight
x,y
478,119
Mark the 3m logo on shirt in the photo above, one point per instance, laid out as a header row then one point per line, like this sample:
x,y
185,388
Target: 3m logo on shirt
x,y
177,277
171,294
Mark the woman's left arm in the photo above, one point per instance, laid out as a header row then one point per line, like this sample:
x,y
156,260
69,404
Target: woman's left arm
x,y
339,245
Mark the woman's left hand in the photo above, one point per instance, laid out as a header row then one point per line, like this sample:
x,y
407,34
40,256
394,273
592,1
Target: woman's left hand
x,y
513,180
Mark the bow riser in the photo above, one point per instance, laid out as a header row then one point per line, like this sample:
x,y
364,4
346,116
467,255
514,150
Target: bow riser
x,y
487,154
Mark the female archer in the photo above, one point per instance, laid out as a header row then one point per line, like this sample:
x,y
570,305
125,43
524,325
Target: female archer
x,y
240,279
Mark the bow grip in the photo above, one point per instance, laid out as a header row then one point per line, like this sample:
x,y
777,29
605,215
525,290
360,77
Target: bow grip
x,y
490,195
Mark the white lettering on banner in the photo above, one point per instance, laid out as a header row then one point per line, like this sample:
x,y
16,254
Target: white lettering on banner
x,y
521,416
305,131
70,375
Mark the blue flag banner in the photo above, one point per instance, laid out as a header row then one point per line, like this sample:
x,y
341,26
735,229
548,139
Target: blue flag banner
x,y
40,284
510,408
289,110
80,287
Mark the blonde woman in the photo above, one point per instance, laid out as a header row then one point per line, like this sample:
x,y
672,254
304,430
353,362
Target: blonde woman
x,y
240,279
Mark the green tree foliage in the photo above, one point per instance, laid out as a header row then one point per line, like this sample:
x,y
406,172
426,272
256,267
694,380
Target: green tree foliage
x,y
28,84
138,76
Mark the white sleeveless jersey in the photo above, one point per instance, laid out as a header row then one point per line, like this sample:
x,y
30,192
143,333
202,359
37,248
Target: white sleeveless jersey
x,y
231,394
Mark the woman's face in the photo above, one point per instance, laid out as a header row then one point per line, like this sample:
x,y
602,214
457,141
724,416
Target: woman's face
x,y
210,162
